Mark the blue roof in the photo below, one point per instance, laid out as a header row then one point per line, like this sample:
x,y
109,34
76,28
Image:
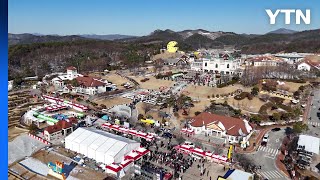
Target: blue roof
x,y
228,173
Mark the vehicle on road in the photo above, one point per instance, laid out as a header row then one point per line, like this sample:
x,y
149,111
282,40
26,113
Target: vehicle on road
x,y
265,140
275,129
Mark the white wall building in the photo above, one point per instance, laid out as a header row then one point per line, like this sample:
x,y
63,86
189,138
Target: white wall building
x,y
234,130
308,66
224,64
71,74
304,66
87,85
10,85
264,61
291,58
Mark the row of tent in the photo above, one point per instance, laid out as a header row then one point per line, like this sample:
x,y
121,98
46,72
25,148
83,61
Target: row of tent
x,y
135,133
120,169
187,131
55,107
197,152
75,106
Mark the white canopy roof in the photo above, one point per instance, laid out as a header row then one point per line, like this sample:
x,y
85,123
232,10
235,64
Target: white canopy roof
x,y
310,143
99,145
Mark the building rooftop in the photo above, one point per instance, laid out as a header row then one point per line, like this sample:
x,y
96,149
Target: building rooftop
x,y
71,68
310,143
233,126
88,81
62,124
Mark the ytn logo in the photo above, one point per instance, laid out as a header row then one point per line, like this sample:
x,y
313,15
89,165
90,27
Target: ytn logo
x,y
287,14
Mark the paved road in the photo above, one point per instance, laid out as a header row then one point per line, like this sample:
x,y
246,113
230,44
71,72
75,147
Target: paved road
x,y
314,123
265,156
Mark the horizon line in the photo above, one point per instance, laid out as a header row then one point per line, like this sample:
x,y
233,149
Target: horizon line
x,y
54,34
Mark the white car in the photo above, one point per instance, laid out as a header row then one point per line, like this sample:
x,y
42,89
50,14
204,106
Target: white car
x,y
265,138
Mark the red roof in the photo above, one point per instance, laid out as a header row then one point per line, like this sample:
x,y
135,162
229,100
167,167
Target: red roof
x,y
71,68
232,125
72,120
58,126
88,81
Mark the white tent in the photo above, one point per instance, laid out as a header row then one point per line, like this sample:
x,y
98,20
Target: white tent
x,y
309,143
99,145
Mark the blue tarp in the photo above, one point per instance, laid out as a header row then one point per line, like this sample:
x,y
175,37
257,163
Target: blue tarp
x,y
105,117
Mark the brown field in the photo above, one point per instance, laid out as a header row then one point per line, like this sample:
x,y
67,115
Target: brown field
x,y
294,86
14,132
245,105
204,91
313,58
152,113
112,77
153,83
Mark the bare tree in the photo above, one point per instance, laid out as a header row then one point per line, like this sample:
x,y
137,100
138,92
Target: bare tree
x,y
146,107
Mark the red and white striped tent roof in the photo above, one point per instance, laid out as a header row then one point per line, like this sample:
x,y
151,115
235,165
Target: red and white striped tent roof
x,y
200,152
128,159
133,155
55,107
187,131
65,102
114,167
148,137
142,151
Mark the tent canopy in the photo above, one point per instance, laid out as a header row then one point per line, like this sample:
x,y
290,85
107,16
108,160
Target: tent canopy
x,y
99,145
105,117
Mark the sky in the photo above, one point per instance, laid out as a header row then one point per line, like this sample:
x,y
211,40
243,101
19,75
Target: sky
x,y
141,17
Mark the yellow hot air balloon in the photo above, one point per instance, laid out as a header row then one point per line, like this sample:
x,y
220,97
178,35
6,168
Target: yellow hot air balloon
x,y
171,47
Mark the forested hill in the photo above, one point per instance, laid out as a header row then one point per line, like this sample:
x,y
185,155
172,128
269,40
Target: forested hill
x,y
44,54
87,55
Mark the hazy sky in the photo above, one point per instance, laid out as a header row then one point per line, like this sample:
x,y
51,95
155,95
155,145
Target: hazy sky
x,y
140,17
